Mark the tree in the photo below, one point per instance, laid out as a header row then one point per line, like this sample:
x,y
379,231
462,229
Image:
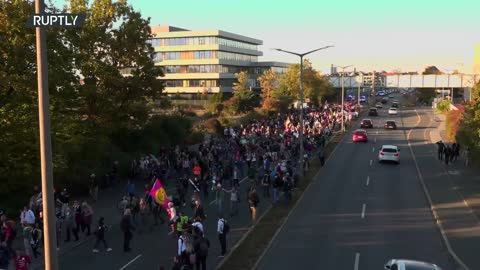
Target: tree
x,y
243,99
268,83
215,104
432,70
315,85
469,131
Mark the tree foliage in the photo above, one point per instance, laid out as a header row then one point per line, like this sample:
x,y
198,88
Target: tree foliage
x,y
268,82
243,100
315,86
469,131
92,104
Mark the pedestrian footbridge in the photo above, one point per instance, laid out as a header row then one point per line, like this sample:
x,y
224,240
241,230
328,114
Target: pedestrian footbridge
x,y
407,81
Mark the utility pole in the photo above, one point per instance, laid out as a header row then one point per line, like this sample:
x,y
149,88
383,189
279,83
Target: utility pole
x,y
343,97
49,219
358,96
373,88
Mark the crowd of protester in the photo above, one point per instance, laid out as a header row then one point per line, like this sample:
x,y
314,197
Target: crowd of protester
x,y
264,152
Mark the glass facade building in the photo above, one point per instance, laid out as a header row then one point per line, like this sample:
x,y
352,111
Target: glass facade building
x,y
206,61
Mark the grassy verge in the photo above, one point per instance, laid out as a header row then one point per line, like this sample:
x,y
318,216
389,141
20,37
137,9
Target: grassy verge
x,y
248,251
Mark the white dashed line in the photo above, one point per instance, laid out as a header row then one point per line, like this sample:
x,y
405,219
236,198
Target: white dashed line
x,y
363,210
371,162
373,149
368,180
375,140
130,262
357,261
377,132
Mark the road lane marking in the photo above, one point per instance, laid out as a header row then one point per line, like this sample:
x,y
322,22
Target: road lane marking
x,y
377,132
357,261
373,149
368,180
371,162
375,140
363,210
130,262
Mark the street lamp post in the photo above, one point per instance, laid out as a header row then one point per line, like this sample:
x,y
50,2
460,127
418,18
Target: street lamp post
x,y
343,96
50,246
301,55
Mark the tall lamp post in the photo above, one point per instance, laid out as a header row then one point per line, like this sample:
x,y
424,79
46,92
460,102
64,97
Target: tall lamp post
x,y
50,237
301,55
343,96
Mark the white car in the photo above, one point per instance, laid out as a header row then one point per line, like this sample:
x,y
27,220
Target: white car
x,y
392,111
400,264
389,153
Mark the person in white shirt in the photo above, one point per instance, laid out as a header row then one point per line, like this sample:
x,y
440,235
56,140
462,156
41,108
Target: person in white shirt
x,y
222,236
182,247
27,217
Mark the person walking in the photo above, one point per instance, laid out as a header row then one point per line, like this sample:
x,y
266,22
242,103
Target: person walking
x,y
35,240
441,147
182,247
253,201
198,211
222,231
201,247
446,153
127,228
321,156
173,217
219,199
69,222
87,214
94,187
266,185
234,200
100,235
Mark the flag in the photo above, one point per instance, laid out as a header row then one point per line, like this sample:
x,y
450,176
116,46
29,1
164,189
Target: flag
x,y
159,194
287,123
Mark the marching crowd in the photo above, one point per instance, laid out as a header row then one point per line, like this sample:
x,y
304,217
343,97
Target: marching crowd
x,y
264,152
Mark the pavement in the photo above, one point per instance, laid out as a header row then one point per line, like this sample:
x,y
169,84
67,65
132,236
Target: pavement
x,y
358,213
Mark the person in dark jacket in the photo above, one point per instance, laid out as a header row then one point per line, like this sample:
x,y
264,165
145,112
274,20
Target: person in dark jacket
x,y
127,228
201,246
100,235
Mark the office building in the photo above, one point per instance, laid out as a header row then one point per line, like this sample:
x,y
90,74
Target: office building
x,y
197,62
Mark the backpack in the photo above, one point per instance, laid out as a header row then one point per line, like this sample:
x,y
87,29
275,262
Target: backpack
x,y
226,227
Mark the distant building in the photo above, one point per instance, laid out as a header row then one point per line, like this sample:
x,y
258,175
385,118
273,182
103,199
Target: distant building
x,y
197,62
476,60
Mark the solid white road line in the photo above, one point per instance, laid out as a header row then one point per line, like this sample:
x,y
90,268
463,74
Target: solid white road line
x,y
130,262
368,180
363,210
357,261
371,162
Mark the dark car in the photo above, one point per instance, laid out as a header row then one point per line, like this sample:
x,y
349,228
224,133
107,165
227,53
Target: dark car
x,y
395,104
366,123
373,112
390,124
384,100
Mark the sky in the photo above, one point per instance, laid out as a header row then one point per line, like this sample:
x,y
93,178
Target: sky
x,y
405,35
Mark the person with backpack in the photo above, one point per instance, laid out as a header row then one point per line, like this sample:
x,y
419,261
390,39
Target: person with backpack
x,y
35,240
201,249
100,235
223,228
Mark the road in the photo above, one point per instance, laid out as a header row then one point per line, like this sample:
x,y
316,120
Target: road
x,y
358,213
152,247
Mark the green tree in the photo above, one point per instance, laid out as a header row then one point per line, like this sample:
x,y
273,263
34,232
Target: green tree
x,y
315,86
268,82
469,131
243,99
215,104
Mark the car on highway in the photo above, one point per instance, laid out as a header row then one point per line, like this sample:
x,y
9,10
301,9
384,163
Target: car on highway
x,y
390,124
390,96
366,123
373,112
389,153
360,135
381,93
384,100
379,105
392,111
363,99
402,264
395,105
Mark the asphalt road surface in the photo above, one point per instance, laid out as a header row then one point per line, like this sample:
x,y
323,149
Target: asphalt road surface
x,y
359,213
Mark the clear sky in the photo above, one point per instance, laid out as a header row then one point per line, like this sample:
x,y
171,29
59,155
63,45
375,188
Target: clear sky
x,y
369,34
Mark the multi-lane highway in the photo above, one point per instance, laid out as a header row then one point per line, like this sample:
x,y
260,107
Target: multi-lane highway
x,y
357,214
